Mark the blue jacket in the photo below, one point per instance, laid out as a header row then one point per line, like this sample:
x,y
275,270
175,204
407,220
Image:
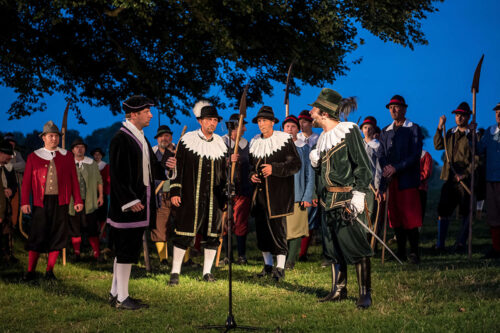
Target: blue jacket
x,y
402,150
304,179
490,145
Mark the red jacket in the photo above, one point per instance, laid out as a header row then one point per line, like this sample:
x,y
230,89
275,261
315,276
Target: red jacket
x,y
105,178
35,177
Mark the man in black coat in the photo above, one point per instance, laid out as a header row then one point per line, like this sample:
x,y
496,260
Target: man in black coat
x,y
197,190
274,160
133,168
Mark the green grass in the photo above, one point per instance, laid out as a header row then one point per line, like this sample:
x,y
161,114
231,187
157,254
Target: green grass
x,y
446,293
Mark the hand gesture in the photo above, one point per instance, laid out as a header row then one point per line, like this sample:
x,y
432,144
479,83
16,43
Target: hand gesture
x,y
442,121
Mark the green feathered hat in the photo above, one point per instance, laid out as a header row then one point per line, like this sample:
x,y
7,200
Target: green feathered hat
x,y
331,102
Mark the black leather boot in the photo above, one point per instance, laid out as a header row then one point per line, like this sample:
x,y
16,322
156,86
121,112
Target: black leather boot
x,y
339,284
413,237
363,271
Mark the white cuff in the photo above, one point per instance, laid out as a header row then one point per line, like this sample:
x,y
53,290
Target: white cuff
x,y
174,174
314,157
358,201
130,204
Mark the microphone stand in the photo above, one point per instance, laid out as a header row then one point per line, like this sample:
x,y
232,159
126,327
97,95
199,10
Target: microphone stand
x,y
230,323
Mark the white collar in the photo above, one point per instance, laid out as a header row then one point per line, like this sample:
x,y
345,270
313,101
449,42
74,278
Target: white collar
x,y
423,153
494,129
333,137
155,149
299,143
407,123
86,160
242,144
47,154
137,132
196,142
262,147
101,165
373,144
455,129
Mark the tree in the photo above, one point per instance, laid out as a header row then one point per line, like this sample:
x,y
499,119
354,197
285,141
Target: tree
x,y
99,52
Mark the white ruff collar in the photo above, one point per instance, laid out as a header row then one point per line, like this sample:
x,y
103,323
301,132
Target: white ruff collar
x,y
299,143
196,142
242,144
260,147
101,165
333,137
423,153
47,154
86,160
494,129
373,144
407,123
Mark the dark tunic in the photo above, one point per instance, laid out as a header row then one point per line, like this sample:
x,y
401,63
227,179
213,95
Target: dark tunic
x,y
274,198
343,162
200,181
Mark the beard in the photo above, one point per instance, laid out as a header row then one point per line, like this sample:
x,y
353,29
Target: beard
x,y
316,123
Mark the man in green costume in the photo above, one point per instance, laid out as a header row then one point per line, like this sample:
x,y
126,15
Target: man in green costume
x,y
344,178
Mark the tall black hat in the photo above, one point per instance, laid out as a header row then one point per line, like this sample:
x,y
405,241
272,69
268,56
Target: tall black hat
x,y
267,113
162,130
291,119
137,103
205,109
235,117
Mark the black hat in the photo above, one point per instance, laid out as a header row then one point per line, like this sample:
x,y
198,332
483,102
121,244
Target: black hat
x,y
205,109
497,107
9,137
235,117
162,130
291,119
137,103
97,150
396,100
369,120
6,148
78,141
267,113
305,115
463,108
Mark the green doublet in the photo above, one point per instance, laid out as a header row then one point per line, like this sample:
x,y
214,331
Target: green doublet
x,y
343,162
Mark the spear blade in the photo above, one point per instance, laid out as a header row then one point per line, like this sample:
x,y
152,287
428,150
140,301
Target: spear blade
x,y
477,74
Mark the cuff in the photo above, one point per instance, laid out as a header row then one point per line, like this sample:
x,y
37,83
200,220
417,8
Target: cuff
x,y
130,204
314,157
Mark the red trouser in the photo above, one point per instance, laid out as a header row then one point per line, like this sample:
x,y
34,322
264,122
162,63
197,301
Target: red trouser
x,y
404,207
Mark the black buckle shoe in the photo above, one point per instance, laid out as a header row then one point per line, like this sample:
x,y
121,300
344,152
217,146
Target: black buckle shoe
x,y
174,279
49,276
278,274
112,300
130,304
208,277
266,271
29,276
289,266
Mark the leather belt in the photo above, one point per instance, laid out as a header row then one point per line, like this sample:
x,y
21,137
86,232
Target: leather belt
x,y
335,189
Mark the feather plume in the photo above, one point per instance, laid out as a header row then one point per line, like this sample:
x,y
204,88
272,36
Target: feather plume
x,y
200,105
347,106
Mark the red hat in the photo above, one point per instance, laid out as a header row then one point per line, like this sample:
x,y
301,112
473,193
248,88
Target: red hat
x,y
305,115
369,120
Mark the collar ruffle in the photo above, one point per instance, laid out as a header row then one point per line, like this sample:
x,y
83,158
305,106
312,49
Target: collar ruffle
x,y
213,149
333,137
47,154
101,165
299,143
86,160
262,147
